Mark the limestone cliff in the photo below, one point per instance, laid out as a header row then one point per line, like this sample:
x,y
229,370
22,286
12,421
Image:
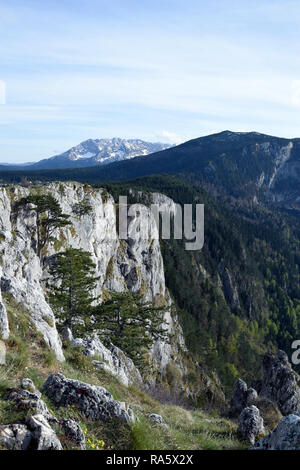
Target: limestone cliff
x,y
134,264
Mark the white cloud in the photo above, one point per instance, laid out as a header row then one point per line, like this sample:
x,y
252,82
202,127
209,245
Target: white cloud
x,y
172,138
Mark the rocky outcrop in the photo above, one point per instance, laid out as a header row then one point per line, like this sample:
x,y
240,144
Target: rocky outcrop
x,y
36,432
27,384
111,359
251,424
238,399
42,435
279,389
280,383
29,401
286,436
229,287
21,269
94,402
135,263
15,437
241,397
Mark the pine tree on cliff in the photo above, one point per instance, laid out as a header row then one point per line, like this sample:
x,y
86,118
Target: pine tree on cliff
x,y
70,290
130,323
49,217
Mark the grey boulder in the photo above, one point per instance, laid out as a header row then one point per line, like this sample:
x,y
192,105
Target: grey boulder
x,y
73,432
36,434
15,437
43,436
95,402
157,419
251,424
286,436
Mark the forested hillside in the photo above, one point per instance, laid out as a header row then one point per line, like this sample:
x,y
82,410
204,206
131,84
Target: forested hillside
x,y
239,297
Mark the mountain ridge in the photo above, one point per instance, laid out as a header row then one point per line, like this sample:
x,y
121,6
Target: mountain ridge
x,y
93,152
249,165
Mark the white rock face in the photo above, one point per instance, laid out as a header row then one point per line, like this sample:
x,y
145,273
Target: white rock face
x,y
112,360
134,264
21,270
282,156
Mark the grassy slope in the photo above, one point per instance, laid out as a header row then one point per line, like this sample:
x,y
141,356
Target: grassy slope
x,y
28,356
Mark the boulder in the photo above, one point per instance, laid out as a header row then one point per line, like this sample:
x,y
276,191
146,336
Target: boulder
x,y
31,401
280,383
95,402
15,437
42,435
251,424
35,434
73,432
286,436
157,419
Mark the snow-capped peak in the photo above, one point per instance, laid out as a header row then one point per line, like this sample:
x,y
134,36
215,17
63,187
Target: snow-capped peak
x,y
99,152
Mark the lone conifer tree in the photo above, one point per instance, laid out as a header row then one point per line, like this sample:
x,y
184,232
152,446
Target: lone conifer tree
x,y
130,323
49,217
73,281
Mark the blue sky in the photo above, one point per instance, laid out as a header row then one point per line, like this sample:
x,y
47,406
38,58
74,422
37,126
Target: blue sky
x,y
166,70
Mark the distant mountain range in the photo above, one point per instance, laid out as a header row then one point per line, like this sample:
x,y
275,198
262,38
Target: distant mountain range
x,y
93,152
248,165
